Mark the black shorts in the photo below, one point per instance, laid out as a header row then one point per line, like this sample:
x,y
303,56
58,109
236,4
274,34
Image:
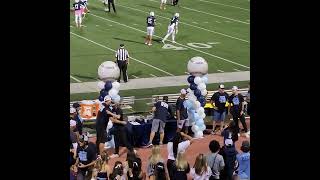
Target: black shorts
x,y
101,136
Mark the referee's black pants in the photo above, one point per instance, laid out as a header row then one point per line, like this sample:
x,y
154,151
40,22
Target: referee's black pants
x,y
123,68
120,135
111,2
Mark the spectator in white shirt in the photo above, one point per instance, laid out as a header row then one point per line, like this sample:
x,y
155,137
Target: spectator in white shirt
x,y
178,145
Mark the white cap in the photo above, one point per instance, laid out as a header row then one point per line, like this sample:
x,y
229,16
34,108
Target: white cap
x,y
73,123
176,14
221,86
151,13
107,98
228,142
234,88
183,91
72,110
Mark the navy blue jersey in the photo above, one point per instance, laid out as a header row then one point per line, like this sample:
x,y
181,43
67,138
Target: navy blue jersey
x,y
181,108
174,20
77,6
162,110
151,21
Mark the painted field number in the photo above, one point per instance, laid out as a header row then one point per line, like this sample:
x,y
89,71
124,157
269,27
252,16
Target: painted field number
x,y
193,45
170,46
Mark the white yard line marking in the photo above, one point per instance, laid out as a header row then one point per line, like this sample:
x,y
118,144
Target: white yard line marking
x,y
227,60
194,22
236,70
97,25
215,15
220,70
213,43
135,24
191,25
209,14
218,21
226,5
115,51
75,79
135,76
153,75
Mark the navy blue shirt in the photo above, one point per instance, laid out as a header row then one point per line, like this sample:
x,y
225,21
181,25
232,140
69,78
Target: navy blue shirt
x,y
86,155
174,19
151,21
103,118
220,100
118,111
181,108
162,110
236,102
181,174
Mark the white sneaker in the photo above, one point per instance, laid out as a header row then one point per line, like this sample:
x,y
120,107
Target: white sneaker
x,y
149,44
114,156
173,42
163,41
145,43
105,9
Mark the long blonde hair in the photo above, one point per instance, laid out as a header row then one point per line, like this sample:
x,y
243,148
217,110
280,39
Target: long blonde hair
x,y
101,162
200,165
181,162
155,155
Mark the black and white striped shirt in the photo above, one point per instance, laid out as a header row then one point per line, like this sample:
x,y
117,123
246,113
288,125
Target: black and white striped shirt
x,y
122,54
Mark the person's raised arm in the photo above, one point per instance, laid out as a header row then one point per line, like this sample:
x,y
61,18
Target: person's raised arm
x,y
187,137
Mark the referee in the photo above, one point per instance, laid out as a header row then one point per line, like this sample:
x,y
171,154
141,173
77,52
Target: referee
x,y
122,59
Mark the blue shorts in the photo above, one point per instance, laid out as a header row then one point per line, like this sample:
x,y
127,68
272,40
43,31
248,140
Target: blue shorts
x,y
218,116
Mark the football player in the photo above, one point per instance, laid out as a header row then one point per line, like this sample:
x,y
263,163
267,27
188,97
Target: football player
x,y
77,6
163,4
172,28
151,21
84,7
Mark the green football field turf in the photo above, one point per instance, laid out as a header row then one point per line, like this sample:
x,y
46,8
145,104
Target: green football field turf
x,y
217,30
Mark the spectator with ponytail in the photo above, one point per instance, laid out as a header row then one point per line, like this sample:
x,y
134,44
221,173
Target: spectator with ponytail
x,y
178,145
118,172
153,160
133,166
